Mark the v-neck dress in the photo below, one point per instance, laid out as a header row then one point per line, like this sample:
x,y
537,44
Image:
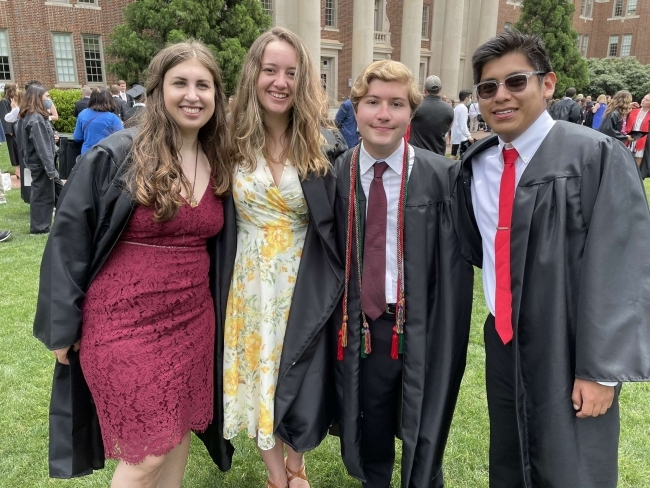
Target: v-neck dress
x,y
147,341
271,228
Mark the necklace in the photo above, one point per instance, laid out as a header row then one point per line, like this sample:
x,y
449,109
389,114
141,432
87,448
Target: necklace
x,y
354,228
193,202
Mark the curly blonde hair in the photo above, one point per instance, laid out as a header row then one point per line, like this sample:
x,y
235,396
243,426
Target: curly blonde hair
x,y
155,177
622,100
304,135
386,70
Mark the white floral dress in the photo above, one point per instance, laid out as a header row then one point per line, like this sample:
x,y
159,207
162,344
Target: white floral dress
x,y
271,227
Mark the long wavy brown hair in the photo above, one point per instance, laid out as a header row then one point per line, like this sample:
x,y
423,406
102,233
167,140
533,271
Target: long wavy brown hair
x,y
32,102
155,177
303,133
622,100
10,91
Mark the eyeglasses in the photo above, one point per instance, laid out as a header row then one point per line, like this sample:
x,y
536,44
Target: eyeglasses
x,y
514,84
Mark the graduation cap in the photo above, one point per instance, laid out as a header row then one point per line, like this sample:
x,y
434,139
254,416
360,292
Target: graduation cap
x,y
136,91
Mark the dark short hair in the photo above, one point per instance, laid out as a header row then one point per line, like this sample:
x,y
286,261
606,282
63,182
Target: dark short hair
x,y
32,82
512,41
464,94
570,92
101,101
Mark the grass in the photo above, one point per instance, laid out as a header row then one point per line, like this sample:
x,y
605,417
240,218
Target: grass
x,y
26,369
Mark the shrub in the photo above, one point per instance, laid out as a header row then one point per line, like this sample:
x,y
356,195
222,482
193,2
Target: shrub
x,y
64,101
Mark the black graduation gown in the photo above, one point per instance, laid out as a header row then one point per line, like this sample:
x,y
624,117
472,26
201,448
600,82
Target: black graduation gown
x,y
580,268
438,294
94,211
644,168
305,402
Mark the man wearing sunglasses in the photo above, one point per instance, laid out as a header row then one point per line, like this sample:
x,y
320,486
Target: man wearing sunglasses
x,y
557,218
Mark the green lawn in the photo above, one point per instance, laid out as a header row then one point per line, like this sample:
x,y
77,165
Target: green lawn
x,y
26,368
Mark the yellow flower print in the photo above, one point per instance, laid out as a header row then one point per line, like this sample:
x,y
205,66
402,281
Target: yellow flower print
x,y
234,325
276,201
231,381
291,279
265,423
252,346
278,240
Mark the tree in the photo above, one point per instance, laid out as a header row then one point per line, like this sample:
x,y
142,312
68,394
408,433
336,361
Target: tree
x,y
227,27
551,20
609,75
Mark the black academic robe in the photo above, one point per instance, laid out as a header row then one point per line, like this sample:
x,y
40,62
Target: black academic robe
x,y
644,168
438,294
305,402
580,268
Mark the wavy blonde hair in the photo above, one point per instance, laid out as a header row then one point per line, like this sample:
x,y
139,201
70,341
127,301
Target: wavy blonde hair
x,y
247,123
622,100
155,177
386,70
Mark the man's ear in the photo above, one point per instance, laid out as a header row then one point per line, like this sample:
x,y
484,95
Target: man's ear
x,y
548,84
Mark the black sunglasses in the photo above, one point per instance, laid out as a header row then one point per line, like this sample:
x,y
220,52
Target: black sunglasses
x,y
514,84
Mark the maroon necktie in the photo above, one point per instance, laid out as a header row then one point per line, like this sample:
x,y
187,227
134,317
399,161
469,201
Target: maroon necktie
x,y
503,299
373,281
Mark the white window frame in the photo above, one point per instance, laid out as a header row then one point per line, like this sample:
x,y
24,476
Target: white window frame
x,y
332,14
584,48
587,9
618,6
101,58
71,62
635,5
613,41
507,27
268,6
426,15
626,45
5,33
87,3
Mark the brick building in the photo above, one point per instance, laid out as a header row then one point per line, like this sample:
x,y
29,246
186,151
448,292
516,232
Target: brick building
x,y
605,27
59,42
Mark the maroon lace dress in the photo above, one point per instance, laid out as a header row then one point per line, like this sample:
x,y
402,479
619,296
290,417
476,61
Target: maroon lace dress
x,y
147,342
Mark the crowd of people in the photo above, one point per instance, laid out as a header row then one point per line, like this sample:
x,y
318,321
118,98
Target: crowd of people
x,y
254,269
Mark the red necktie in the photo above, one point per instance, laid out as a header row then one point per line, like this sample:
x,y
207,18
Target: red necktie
x,y
373,280
503,301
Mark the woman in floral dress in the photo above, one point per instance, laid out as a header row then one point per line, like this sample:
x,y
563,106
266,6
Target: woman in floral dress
x,y
286,278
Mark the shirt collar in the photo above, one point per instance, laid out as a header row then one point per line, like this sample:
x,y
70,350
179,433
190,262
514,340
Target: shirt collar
x,y
528,142
394,161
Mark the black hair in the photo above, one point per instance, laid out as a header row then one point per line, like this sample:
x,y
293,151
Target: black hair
x,y
101,101
464,94
32,82
512,41
570,92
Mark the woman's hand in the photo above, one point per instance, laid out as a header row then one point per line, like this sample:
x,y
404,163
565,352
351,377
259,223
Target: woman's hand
x,y
61,355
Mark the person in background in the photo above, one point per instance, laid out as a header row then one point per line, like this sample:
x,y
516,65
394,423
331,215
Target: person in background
x,y
97,121
37,150
83,103
639,121
9,128
432,120
347,123
277,372
567,108
598,110
556,216
138,98
120,105
50,107
459,132
614,123
125,284
123,93
474,112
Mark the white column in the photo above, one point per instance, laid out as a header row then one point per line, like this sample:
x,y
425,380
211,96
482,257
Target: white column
x,y
437,29
309,27
451,39
472,41
411,35
363,34
488,24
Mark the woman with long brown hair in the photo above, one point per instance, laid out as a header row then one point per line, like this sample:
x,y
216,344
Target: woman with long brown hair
x,y
125,280
287,277
9,127
97,121
614,121
37,150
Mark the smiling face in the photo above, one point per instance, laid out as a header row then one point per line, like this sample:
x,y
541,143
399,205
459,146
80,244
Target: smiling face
x,y
189,93
510,114
645,102
383,115
276,81
122,87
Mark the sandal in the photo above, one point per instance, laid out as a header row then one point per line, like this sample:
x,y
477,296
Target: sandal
x,y
270,484
292,475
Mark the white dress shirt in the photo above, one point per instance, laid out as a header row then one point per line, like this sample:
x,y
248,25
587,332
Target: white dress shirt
x,y
459,130
392,179
487,168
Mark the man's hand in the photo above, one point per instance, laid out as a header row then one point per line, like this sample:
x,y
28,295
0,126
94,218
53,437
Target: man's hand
x,y
61,355
591,399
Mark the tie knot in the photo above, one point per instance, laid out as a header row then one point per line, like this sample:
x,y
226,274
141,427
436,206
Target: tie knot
x,y
510,156
380,167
